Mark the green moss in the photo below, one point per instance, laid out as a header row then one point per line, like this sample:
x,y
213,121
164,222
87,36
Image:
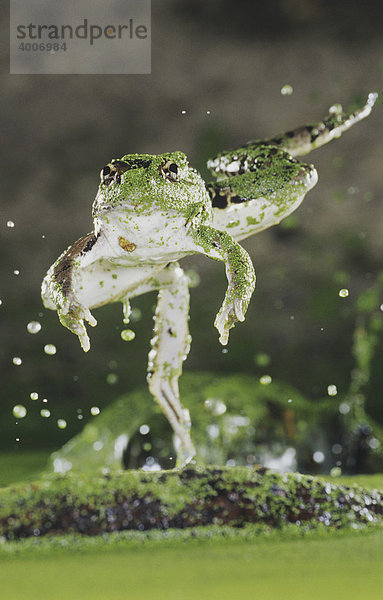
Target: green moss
x,y
94,505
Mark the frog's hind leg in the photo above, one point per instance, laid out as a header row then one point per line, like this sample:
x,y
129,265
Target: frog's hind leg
x,y
170,346
302,140
297,142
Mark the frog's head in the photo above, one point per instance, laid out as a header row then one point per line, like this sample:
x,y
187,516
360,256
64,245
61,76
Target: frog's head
x,y
144,183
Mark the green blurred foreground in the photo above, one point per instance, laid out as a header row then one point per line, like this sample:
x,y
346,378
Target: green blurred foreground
x,y
211,562
345,567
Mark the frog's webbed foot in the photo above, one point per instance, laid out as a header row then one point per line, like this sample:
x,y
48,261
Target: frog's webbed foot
x,y
239,272
229,314
304,139
170,346
72,316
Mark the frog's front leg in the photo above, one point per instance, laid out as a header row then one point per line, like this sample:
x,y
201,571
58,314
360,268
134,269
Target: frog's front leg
x,y
58,291
239,271
170,346
86,276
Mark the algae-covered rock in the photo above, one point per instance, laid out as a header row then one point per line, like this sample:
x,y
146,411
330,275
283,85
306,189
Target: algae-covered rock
x,y
135,500
236,420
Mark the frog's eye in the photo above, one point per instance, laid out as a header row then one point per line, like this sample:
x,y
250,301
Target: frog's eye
x,y
111,173
169,170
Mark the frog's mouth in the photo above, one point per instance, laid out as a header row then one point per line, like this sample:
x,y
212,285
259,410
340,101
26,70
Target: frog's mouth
x,y
311,175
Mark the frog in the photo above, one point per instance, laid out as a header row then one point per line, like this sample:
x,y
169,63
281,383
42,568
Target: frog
x,y
150,211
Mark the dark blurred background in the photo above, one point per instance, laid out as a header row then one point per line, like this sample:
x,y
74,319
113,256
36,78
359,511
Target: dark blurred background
x,y
224,63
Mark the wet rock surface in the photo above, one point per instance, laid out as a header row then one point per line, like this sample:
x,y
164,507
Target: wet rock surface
x,y
142,501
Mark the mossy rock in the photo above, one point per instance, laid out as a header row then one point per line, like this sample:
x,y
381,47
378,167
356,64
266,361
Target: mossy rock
x,y
135,500
236,420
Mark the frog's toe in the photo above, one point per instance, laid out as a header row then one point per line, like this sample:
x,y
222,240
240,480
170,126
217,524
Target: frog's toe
x,y
84,340
240,309
74,321
87,315
78,328
222,324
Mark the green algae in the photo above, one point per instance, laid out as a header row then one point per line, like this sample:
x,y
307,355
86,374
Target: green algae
x,y
94,505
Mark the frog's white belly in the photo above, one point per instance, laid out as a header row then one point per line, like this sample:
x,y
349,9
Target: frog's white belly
x,y
130,251
155,239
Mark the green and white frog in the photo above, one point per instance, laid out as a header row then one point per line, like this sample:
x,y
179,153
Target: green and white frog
x,y
152,210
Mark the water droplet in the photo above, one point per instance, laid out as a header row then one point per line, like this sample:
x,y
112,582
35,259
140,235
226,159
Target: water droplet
x,y
34,396
95,411
344,408
45,400
374,443
61,465
61,423
183,112
10,224
381,307
16,272
135,315
265,380
262,359
343,293
193,278
17,439
318,456
45,413
1,302
213,431
17,360
289,400
216,406
332,390
151,465
33,327
19,411
336,472
80,417
208,112
127,335
50,349
144,429
112,378
287,90
336,449
353,190
98,446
